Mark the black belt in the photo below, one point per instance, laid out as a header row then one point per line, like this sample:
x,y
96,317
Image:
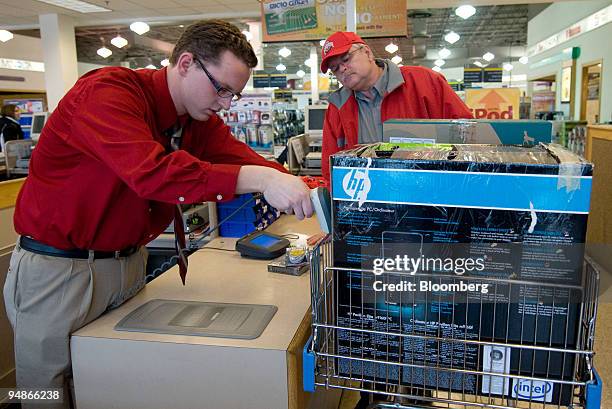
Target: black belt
x,y
37,247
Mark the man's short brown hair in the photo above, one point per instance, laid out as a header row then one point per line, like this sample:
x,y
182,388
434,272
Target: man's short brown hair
x,y
208,39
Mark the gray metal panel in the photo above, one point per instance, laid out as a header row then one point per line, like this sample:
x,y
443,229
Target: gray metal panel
x,y
203,319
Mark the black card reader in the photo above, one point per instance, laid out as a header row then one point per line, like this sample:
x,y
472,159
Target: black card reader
x,y
262,245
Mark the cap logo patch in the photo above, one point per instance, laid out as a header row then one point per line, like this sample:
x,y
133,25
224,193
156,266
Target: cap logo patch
x,y
327,47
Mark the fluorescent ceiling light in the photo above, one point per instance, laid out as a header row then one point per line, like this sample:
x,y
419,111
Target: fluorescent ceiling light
x,y
76,5
452,37
391,48
508,66
524,59
5,35
119,41
165,62
397,59
281,67
104,52
466,11
439,62
284,52
247,34
300,73
437,69
488,56
444,53
139,27
151,67
322,42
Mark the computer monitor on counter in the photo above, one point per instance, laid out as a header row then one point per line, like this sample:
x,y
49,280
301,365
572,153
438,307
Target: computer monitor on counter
x,y
314,116
38,122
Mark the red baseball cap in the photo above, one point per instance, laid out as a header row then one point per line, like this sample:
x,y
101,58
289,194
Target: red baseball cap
x,y
337,44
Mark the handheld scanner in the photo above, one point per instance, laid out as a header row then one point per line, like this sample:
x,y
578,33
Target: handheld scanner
x,y
321,201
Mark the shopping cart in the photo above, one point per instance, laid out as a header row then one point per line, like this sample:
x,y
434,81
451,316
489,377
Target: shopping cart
x,y
425,369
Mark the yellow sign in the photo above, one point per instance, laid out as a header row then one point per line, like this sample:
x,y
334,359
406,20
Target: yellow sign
x,y
306,20
494,103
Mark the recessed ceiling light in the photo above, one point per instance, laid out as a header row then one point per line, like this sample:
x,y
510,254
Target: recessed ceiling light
x,y
119,41
308,62
281,67
284,52
165,62
247,34
5,35
391,48
439,62
508,66
151,67
524,59
488,56
104,52
466,11
300,73
437,69
139,27
452,37
76,5
478,64
444,53
397,59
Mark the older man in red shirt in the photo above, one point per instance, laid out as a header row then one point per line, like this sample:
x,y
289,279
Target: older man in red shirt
x,y
375,90
120,152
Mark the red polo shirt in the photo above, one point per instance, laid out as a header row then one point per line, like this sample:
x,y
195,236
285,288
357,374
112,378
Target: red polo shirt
x,y
101,176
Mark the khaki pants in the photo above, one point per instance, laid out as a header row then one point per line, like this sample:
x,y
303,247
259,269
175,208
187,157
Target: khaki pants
x,y
47,298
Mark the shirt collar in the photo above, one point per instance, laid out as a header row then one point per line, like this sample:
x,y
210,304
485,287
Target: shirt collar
x,y
164,106
395,76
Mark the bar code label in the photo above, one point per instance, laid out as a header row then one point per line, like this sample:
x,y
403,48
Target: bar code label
x,y
496,360
533,391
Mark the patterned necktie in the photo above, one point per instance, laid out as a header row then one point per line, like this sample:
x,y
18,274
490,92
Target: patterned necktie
x,y
175,134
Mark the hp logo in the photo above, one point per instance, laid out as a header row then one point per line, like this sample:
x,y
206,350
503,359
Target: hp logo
x,y
356,185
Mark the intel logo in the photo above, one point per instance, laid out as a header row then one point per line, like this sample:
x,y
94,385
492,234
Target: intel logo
x,y
534,390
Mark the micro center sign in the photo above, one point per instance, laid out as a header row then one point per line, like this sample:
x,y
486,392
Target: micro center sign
x,y
494,103
307,20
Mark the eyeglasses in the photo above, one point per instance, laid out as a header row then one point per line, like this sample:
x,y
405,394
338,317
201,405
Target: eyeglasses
x,y
221,90
345,60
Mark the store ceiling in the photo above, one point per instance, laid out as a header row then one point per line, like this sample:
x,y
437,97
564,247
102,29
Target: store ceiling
x,y
494,27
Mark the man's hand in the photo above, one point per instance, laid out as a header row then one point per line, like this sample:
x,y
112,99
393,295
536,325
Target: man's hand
x,y
283,191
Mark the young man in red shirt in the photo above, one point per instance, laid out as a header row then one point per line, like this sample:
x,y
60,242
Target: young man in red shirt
x,y
375,90
106,177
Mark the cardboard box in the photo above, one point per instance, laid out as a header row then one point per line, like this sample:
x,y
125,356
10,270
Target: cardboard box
x,y
471,131
522,210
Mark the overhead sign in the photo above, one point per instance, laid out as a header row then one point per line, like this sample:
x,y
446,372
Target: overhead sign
x,y
471,75
262,79
305,20
493,74
494,103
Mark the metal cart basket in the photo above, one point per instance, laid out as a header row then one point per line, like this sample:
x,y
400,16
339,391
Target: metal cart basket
x,y
425,365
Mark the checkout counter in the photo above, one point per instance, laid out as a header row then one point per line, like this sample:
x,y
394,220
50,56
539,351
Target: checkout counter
x,y
119,369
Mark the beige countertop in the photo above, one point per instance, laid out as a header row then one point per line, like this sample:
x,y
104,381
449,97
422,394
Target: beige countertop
x,y
220,276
